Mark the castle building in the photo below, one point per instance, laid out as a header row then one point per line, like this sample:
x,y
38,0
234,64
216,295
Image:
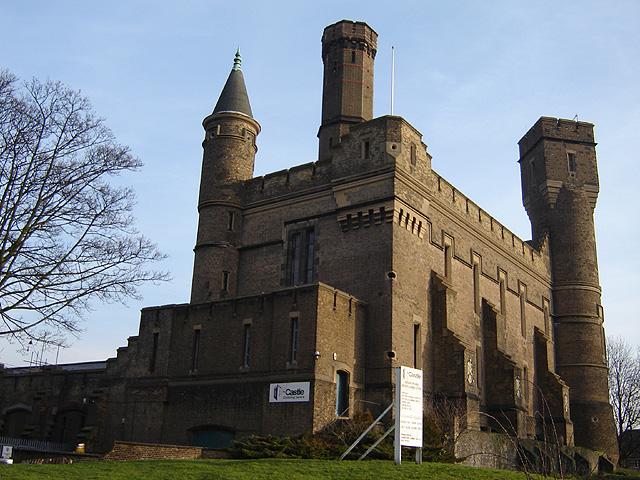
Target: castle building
x,y
311,284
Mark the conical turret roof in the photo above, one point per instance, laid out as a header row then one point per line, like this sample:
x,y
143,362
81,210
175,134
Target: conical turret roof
x,y
234,96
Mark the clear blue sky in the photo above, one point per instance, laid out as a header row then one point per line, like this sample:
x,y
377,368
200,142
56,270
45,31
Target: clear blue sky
x,y
473,77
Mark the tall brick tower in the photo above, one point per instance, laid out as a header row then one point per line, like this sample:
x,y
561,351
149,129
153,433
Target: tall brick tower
x,y
559,188
348,51
228,159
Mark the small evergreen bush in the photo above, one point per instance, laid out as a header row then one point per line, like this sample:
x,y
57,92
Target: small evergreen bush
x,y
332,441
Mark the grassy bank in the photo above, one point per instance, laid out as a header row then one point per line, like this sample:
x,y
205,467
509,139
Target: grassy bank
x,y
260,470
250,469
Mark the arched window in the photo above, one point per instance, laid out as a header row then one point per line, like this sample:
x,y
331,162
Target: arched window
x,y
342,393
69,421
15,420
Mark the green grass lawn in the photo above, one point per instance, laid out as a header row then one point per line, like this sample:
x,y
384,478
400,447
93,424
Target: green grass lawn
x,y
250,470
257,470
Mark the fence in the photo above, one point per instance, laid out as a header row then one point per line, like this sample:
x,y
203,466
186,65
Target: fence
x,y
37,445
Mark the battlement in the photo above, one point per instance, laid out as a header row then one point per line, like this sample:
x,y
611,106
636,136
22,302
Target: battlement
x,y
369,147
291,180
557,129
151,314
386,142
350,30
460,205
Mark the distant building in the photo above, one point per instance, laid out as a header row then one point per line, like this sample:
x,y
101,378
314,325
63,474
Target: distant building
x,y
630,449
311,284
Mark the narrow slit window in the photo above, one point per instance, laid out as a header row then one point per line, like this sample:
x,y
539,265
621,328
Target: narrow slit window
x,y
231,221
479,367
225,280
571,162
448,257
366,149
547,319
294,340
196,350
476,287
417,346
523,308
503,294
154,352
532,173
247,343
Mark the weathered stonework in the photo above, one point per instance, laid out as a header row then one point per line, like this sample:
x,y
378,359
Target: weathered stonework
x,y
337,271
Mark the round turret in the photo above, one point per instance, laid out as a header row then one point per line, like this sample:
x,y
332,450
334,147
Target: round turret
x,y
228,160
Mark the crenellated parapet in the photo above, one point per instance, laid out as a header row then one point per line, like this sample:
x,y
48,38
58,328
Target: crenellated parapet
x,y
454,203
370,148
290,181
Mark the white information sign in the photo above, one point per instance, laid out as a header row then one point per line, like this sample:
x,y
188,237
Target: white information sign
x,y
289,392
7,451
409,411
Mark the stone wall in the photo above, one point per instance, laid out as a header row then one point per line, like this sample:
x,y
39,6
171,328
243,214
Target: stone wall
x,y
149,451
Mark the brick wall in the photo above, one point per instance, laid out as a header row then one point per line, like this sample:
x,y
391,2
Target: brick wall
x,y
151,451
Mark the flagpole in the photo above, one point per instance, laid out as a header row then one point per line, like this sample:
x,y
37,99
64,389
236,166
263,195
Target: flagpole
x,y
392,74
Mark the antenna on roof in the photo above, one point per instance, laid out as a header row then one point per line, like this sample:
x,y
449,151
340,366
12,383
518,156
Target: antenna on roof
x,y
392,74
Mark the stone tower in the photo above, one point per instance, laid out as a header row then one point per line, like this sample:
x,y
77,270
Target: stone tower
x,y
348,51
228,159
560,188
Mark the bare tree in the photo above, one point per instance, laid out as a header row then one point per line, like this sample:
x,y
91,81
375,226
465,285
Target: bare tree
x,y
66,236
624,389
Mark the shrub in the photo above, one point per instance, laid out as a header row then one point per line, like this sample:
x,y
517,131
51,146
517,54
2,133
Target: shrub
x,y
333,440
